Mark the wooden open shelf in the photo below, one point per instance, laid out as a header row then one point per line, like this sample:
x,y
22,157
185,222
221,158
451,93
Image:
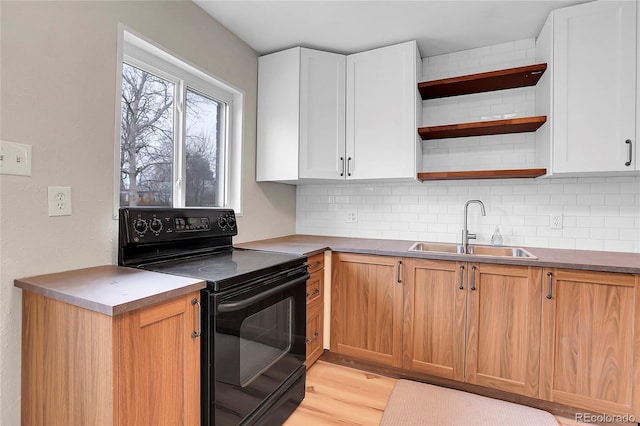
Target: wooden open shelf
x,y
483,174
482,82
483,128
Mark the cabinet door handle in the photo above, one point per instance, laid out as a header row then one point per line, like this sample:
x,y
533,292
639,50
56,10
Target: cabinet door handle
x,y
197,333
628,142
460,286
550,293
399,277
473,278
348,166
311,339
342,172
316,291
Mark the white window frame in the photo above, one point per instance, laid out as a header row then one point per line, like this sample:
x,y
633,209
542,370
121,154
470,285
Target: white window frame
x,y
139,52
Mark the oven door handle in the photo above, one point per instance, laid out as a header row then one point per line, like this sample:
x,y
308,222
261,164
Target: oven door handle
x,y
241,304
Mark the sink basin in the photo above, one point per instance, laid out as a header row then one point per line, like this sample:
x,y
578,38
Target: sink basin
x,y
500,251
472,250
437,248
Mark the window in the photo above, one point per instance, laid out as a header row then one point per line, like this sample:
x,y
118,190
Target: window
x,y
179,133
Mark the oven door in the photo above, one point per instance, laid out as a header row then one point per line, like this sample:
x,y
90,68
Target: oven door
x,y
258,343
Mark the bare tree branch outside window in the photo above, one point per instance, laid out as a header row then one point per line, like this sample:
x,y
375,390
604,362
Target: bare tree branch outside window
x,y
147,143
146,154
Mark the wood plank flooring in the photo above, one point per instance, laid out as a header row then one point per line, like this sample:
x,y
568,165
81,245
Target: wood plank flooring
x,y
338,395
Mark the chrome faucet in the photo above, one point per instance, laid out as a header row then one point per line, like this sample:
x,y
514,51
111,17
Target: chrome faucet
x,y
466,236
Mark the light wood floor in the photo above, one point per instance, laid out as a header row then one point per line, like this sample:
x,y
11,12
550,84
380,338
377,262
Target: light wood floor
x,y
338,395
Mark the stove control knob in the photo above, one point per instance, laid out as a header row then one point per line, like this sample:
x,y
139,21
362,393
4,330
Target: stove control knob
x,y
155,225
140,225
223,222
231,221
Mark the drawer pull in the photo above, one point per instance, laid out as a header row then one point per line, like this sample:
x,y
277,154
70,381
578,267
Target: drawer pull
x,y
316,263
314,338
316,292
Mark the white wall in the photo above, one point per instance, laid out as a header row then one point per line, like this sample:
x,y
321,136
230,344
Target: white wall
x,y
598,213
58,86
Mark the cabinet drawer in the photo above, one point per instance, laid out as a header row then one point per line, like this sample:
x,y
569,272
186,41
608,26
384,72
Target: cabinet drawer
x,y
315,262
314,334
315,285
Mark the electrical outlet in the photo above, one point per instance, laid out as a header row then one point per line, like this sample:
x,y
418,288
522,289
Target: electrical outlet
x,y
59,200
352,217
556,221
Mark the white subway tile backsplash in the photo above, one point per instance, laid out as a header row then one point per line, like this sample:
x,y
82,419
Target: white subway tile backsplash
x,y
432,211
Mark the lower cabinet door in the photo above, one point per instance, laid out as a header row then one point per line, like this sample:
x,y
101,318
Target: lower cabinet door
x,y
159,364
366,307
435,297
314,333
590,346
503,327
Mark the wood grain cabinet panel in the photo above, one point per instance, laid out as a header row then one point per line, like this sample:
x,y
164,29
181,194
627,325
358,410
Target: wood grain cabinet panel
x,y
434,318
82,367
315,309
590,355
366,307
503,327
478,323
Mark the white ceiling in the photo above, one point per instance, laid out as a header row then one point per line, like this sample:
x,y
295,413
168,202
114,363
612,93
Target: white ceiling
x,y
353,26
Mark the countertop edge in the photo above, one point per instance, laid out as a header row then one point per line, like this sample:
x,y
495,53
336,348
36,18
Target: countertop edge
x,y
84,287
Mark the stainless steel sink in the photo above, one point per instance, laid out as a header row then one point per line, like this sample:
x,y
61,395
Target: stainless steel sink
x,y
500,251
425,247
437,248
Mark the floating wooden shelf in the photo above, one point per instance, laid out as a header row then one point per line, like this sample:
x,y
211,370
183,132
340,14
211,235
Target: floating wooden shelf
x,y
483,128
482,82
483,174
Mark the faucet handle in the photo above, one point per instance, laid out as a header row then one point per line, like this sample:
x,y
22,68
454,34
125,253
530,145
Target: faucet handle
x,y
471,236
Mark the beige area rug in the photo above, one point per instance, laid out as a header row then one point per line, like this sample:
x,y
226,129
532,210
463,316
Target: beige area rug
x,y
414,403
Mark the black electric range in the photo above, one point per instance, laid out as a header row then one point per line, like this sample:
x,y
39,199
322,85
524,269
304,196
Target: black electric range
x,y
253,309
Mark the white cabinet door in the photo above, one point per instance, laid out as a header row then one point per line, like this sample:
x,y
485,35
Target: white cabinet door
x,y
278,112
381,113
594,87
301,115
322,115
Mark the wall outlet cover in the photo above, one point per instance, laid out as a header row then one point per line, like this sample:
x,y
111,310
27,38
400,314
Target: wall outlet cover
x,y
59,200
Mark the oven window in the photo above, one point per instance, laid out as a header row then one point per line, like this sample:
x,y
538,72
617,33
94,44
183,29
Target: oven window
x,y
265,337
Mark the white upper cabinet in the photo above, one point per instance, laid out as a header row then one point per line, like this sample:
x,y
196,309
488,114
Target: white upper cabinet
x,y
322,114
382,104
310,102
591,88
301,113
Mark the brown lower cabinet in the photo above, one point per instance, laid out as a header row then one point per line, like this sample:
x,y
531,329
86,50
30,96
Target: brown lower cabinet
x,y
566,336
81,367
590,352
473,322
366,307
315,309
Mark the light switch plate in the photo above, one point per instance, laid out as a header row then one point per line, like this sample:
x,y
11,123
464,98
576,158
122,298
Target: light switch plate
x,y
15,158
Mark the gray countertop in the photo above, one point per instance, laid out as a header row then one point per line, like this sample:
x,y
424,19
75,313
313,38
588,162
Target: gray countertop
x,y
109,289
113,290
556,258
